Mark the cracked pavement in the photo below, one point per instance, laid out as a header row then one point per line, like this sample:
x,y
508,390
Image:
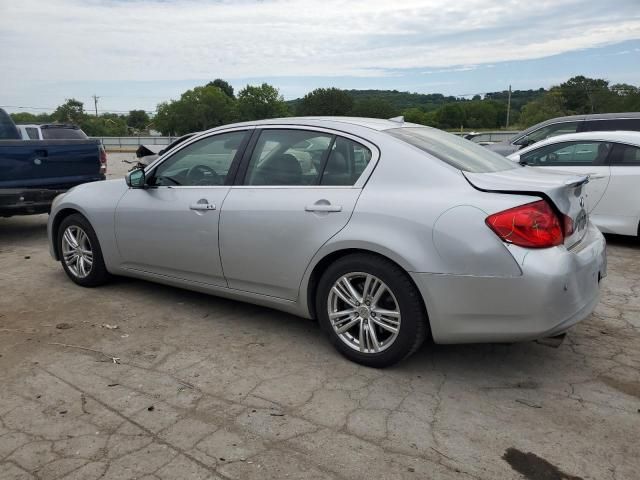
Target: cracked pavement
x,y
209,388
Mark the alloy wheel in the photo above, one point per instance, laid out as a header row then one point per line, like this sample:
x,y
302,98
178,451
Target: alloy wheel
x,y
364,312
76,251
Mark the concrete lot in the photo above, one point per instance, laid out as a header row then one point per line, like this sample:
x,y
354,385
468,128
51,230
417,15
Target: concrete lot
x,y
192,386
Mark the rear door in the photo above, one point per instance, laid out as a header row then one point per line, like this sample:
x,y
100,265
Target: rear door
x,y
297,189
589,157
619,209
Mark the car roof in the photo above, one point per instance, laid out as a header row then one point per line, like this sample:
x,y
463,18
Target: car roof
x,y
619,136
378,124
579,118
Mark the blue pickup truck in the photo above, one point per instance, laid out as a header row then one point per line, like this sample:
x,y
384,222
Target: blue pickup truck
x,y
33,172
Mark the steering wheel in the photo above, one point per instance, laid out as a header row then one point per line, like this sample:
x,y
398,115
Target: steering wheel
x,y
552,157
202,175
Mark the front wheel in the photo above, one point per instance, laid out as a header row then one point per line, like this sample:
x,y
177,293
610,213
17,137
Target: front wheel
x,y
371,310
80,252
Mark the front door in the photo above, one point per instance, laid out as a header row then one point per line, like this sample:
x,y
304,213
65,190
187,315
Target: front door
x,y
171,227
588,157
299,189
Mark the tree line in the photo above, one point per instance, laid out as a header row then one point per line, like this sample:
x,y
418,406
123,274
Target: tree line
x,y
216,104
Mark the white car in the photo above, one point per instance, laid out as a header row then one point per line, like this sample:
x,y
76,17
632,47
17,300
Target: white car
x,y
612,160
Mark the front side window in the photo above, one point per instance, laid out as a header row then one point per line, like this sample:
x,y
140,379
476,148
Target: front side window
x,y
457,152
552,130
569,154
305,157
205,162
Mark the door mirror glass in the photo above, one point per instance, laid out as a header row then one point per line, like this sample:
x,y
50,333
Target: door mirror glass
x,y
136,179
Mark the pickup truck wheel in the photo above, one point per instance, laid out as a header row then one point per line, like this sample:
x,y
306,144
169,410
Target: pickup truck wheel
x,y
80,252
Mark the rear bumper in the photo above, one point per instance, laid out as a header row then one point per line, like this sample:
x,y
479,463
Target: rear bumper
x,y
558,288
18,201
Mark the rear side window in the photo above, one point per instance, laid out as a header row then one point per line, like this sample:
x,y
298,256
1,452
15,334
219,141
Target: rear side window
x,y
568,154
457,152
632,124
57,133
305,157
625,155
32,133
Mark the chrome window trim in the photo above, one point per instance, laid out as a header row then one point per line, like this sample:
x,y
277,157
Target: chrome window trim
x,y
194,139
513,142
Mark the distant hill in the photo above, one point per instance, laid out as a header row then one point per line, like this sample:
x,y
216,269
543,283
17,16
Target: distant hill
x,y
432,101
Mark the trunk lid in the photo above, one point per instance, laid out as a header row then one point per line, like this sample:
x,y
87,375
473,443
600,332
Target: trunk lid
x,y
564,191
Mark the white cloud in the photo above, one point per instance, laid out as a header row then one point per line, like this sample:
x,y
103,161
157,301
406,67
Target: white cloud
x,y
79,40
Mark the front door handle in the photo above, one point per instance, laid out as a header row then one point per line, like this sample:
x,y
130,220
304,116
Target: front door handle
x,y
323,208
202,206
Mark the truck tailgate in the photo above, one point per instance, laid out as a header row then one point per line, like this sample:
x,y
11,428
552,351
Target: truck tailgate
x,y
55,164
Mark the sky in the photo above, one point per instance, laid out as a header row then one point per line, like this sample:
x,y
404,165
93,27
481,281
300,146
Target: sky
x,y
134,54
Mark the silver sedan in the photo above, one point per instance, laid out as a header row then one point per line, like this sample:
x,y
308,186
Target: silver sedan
x,y
385,232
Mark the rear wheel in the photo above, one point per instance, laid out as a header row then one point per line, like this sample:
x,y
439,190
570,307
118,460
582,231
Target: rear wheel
x,y
371,310
80,252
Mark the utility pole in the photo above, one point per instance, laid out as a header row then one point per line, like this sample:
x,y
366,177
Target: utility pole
x,y
508,106
95,103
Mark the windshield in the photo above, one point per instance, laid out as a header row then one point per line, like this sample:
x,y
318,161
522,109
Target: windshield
x,y
456,151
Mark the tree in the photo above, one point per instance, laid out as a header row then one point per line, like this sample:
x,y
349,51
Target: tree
x,y
414,115
72,111
326,101
586,95
479,114
265,101
105,125
222,85
374,107
450,116
551,105
198,109
138,120
26,117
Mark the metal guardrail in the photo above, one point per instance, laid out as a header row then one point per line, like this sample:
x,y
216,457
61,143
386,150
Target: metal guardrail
x,y
132,143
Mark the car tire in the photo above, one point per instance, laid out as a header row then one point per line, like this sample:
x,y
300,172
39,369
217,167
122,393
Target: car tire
x,y
358,343
79,270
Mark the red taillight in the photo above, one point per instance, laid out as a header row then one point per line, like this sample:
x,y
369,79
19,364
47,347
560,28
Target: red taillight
x,y
103,161
534,225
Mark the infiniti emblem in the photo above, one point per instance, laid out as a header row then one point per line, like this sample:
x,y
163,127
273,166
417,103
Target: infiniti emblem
x,y
582,202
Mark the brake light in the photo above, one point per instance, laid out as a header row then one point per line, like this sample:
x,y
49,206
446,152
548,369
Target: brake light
x,y
534,225
103,161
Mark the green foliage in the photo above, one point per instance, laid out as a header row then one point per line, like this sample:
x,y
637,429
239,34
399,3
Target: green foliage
x,y
374,108
261,102
105,125
326,101
551,104
450,116
25,117
72,111
198,109
222,85
585,95
138,120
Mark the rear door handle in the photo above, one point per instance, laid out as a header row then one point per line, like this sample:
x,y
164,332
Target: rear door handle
x,y
323,208
597,175
202,206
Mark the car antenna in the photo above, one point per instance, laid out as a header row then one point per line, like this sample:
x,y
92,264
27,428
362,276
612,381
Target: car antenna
x,y
399,119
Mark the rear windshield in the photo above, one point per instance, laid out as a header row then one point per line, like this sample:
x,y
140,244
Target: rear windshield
x,y
63,133
456,151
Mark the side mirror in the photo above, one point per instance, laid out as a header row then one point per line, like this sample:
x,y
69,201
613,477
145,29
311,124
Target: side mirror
x,y
136,178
